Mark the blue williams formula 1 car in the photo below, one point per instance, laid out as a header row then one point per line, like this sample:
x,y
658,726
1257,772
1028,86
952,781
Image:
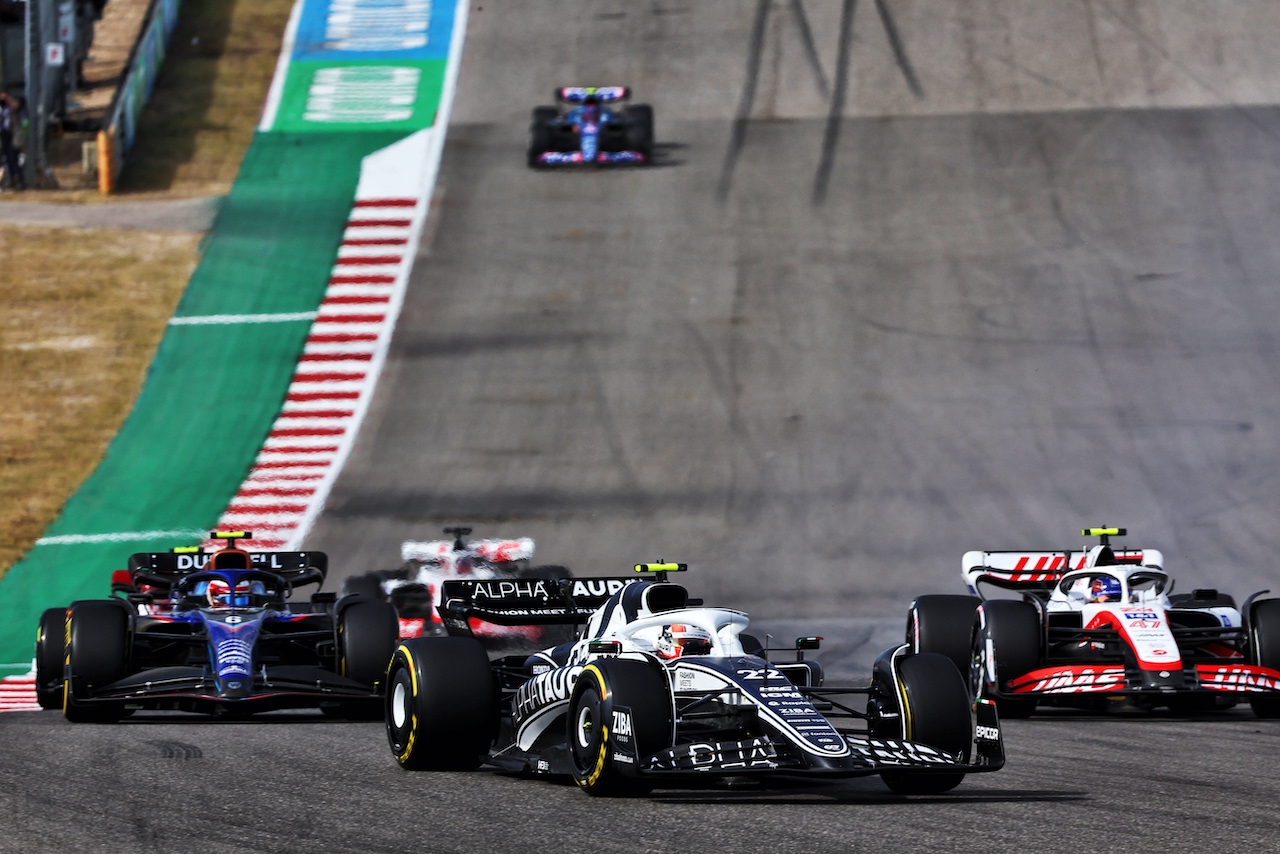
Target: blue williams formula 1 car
x,y
1100,629
215,633
591,124
659,688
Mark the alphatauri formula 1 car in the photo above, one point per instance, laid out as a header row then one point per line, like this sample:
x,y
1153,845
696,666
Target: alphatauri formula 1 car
x,y
659,688
414,588
591,124
1098,629
215,633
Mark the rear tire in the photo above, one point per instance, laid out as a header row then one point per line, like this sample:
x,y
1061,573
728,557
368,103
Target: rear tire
x,y
51,652
1265,622
441,705
936,712
98,653
943,624
549,572
1010,631
364,585
605,690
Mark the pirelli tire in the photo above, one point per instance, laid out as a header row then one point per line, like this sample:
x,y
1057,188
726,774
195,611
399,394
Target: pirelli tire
x,y
364,585
441,704
541,136
367,631
640,130
548,572
619,708
1006,644
51,654
943,624
934,709
1265,634
97,654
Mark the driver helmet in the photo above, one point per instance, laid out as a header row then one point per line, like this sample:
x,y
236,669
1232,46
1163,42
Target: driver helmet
x,y
220,594
677,640
1104,588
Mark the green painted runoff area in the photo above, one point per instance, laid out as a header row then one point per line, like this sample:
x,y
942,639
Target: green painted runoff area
x,y
212,391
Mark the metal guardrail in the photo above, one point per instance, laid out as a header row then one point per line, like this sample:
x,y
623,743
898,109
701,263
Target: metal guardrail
x,y
120,128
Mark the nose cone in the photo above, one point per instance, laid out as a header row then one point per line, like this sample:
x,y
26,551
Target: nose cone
x,y
235,689
1169,680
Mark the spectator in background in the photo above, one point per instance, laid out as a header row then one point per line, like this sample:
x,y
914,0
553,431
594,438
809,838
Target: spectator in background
x,y
12,121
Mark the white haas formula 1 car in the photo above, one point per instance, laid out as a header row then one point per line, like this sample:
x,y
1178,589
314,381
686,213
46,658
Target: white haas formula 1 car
x,y
659,688
414,588
1098,629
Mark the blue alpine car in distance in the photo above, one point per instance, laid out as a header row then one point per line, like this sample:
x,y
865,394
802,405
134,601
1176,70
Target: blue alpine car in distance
x,y
591,124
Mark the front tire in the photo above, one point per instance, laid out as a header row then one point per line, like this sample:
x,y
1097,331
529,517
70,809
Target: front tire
x,y
1007,639
610,697
640,130
935,711
1266,652
943,623
98,654
540,135
51,651
367,633
441,705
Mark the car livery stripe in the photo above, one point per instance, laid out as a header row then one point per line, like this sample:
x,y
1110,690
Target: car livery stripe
x,y
1238,678
783,724
1144,632
1069,679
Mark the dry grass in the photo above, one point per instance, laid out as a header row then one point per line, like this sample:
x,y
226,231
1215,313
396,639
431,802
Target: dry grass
x,y
75,341
81,312
203,111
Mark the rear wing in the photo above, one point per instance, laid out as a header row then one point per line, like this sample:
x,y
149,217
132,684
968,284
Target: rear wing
x,y
163,570
497,551
1038,571
603,94
524,601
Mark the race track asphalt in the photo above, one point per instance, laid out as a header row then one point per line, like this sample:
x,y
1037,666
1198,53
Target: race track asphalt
x,y
1019,279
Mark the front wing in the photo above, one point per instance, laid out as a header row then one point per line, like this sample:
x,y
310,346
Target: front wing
x,y
194,689
868,755
604,158
1110,677
772,754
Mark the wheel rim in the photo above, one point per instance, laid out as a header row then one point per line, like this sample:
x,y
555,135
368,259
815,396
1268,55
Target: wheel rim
x,y
399,705
586,727
977,668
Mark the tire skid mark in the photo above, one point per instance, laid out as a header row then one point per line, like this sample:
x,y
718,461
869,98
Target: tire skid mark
x,y
899,51
831,135
176,749
810,47
738,136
